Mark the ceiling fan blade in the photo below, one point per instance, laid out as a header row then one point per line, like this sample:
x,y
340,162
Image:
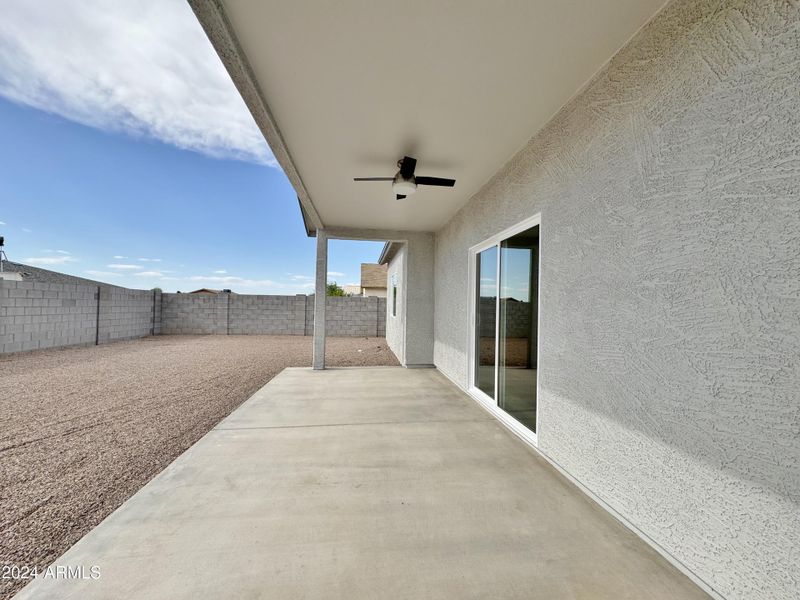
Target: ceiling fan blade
x,y
407,166
440,181
400,196
373,178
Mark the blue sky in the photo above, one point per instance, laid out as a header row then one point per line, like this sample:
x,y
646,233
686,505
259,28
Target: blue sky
x,y
144,170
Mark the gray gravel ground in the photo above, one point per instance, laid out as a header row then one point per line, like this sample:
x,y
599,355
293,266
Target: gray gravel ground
x,y
85,428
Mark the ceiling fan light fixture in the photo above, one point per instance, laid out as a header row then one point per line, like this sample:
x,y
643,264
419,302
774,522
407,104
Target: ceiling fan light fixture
x,y
405,182
404,187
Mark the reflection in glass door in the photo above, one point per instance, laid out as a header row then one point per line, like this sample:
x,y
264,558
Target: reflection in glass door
x,y
517,347
486,321
506,324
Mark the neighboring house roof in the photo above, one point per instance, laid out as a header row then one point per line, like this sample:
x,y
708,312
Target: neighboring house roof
x,y
37,274
211,291
373,275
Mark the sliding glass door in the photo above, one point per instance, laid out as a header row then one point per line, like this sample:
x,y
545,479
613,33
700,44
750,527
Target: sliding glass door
x,y
519,274
486,322
506,323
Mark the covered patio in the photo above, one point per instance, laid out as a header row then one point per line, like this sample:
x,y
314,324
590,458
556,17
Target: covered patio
x,y
363,483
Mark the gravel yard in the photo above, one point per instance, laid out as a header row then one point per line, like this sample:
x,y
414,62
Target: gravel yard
x,y
85,428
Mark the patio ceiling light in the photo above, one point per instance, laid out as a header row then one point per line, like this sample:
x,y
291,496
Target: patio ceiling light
x,y
404,183
403,186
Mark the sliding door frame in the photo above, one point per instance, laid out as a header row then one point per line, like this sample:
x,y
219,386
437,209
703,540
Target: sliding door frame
x,y
487,402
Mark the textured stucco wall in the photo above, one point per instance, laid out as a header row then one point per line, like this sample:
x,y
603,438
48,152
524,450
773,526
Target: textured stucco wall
x,y
396,325
419,301
417,289
669,190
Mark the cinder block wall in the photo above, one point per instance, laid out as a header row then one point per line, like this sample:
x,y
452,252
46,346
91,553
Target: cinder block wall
x,y
157,313
194,314
241,314
517,317
309,320
45,315
126,314
354,316
50,315
275,315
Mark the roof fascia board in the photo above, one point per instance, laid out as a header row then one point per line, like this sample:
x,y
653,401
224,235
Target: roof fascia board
x,y
311,231
384,251
378,235
388,252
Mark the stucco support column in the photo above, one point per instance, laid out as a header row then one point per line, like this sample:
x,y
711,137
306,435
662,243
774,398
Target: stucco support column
x,y
320,297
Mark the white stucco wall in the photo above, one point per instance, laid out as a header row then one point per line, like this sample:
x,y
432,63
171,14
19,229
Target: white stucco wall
x,y
374,292
396,325
417,290
419,301
669,191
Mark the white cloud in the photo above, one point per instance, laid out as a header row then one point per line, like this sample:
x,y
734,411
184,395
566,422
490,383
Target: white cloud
x,y
118,257
302,278
48,260
144,68
124,267
262,286
150,259
234,280
149,274
2,222
101,273
62,252
26,230
247,285
220,272
335,274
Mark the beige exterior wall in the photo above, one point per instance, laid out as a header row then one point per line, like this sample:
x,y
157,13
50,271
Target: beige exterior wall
x,y
396,319
374,292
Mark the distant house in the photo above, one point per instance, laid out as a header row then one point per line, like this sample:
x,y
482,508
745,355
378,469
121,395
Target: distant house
x,y
373,280
10,275
19,272
210,291
352,289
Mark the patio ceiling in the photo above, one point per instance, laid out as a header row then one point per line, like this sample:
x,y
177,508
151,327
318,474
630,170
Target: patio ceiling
x,y
349,87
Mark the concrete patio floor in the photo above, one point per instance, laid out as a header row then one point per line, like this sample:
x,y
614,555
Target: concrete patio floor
x,y
362,483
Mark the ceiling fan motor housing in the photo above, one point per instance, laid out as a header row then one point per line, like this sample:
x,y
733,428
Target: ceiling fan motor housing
x,y
403,186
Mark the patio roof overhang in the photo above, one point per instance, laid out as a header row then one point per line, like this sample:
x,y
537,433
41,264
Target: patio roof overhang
x,y
345,89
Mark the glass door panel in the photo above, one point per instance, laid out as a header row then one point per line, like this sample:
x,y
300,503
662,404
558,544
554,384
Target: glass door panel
x,y
486,320
517,333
